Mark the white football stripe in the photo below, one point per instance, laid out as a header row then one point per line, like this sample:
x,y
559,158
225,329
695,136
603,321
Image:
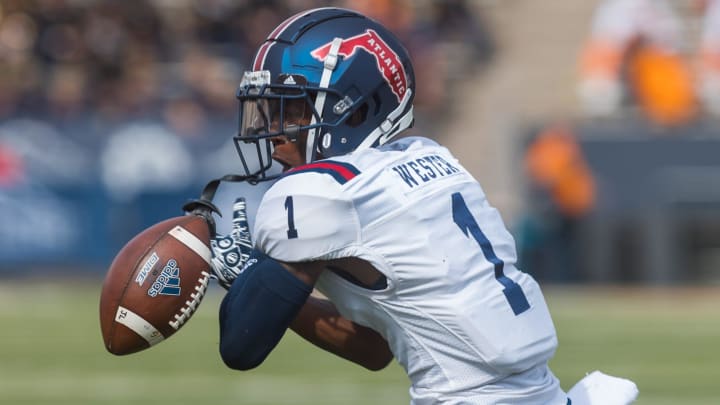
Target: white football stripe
x,y
138,325
191,241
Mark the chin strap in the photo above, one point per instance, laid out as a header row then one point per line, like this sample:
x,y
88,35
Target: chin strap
x,y
393,124
204,206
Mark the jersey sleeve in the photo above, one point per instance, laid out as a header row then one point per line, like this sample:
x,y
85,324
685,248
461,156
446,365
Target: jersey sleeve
x,y
306,217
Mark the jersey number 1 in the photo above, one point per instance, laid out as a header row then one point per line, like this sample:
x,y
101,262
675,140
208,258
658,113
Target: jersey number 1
x,y
467,223
291,232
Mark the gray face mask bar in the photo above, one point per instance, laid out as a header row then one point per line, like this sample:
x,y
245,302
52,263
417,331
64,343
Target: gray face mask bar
x,y
281,108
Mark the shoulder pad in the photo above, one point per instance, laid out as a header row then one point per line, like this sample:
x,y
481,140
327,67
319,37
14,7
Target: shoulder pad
x,y
306,216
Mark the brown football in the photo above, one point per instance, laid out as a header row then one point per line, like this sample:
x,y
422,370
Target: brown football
x,y
155,284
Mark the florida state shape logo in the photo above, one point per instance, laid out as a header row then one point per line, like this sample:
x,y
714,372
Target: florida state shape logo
x,y
388,62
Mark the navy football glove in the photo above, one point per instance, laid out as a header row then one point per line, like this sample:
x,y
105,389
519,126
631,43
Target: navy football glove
x,y
231,252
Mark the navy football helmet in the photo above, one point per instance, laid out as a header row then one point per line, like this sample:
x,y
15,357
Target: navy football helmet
x,y
333,74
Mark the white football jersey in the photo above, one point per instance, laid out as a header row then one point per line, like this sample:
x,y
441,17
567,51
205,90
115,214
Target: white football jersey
x,y
466,325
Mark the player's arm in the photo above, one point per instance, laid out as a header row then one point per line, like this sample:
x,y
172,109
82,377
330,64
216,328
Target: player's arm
x,y
262,299
321,324
265,297
299,226
258,308
268,297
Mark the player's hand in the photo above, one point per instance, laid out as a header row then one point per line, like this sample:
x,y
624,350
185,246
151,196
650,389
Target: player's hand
x,y
231,252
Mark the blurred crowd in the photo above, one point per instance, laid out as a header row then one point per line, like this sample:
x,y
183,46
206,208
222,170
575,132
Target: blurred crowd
x,y
657,61
149,76
661,56
114,112
181,59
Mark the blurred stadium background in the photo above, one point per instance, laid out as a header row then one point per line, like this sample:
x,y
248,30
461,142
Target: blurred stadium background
x,y
592,125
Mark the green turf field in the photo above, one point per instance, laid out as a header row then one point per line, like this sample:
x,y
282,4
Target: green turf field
x,y
51,352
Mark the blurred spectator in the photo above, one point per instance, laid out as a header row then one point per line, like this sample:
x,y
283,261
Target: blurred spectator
x,y
465,34
710,58
555,163
634,55
562,192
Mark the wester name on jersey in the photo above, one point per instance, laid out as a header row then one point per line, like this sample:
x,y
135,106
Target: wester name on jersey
x,y
423,170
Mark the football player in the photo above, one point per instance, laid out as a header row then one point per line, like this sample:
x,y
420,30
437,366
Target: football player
x,y
394,231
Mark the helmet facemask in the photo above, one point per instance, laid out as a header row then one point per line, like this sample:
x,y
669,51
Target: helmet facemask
x,y
268,111
285,109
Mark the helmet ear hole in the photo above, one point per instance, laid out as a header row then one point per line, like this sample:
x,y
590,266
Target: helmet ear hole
x,y
358,117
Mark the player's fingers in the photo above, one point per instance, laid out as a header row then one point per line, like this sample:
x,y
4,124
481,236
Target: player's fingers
x,y
240,221
240,210
241,228
243,238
